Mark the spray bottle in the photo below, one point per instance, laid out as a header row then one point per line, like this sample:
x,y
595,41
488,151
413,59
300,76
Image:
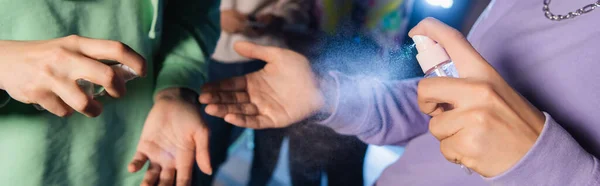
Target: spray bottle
x,y
433,59
435,62
92,90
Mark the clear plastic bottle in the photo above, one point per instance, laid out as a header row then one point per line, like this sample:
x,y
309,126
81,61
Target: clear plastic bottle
x,y
92,90
435,62
433,59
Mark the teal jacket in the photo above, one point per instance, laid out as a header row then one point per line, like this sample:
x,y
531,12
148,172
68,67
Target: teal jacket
x,y
175,37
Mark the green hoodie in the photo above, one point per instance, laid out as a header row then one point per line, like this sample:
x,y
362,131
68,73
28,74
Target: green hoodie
x,y
175,37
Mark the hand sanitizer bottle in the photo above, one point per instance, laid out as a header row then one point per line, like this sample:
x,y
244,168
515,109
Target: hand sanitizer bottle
x,y
435,62
92,90
433,59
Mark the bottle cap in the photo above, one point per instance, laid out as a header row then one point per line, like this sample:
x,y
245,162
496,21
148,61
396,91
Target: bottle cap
x,y
430,53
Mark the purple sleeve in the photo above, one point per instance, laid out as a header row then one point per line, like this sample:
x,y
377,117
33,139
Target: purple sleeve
x,y
377,112
555,159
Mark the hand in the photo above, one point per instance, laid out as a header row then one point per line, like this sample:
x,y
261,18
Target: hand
x,y
270,20
45,72
173,133
282,93
479,119
233,21
270,23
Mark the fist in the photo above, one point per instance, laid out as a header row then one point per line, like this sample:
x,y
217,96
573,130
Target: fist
x,y
480,121
46,72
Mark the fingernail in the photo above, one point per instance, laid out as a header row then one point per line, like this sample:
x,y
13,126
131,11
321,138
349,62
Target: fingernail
x,y
209,171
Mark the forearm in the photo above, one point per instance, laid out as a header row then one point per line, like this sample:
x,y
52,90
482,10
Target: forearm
x,y
381,113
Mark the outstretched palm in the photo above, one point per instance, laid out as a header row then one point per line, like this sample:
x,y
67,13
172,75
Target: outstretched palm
x,y
173,137
282,93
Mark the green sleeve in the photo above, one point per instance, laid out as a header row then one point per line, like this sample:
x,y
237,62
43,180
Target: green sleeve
x,y
190,33
4,98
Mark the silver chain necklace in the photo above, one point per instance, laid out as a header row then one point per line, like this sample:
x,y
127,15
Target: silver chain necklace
x,y
570,15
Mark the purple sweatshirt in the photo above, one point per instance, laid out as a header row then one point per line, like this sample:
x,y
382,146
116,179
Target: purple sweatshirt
x,y
553,64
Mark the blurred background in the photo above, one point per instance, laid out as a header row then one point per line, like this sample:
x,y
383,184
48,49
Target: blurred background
x,y
367,37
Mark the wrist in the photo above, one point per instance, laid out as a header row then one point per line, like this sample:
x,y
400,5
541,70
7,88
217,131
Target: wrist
x,y
183,94
328,93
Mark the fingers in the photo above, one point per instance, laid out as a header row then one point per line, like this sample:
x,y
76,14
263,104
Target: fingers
x,y
152,151
184,163
152,175
231,84
254,51
447,124
255,122
167,177
110,50
55,105
202,156
467,60
221,110
72,95
224,97
448,149
100,74
138,161
457,92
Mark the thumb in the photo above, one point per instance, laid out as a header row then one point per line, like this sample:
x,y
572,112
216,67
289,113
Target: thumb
x,y
254,51
467,60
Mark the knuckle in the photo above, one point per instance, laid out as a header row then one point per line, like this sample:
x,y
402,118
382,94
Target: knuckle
x,y
473,144
480,116
109,76
32,93
29,91
117,47
81,104
46,71
59,54
63,112
72,38
486,91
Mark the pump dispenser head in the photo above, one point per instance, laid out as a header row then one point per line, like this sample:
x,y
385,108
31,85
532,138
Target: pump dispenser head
x,y
430,53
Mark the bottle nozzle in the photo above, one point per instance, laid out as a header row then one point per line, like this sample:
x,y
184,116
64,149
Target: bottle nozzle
x,y
423,43
430,53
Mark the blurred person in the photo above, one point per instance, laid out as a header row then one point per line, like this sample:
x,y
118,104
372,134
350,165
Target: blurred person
x,y
46,47
518,114
349,32
267,22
